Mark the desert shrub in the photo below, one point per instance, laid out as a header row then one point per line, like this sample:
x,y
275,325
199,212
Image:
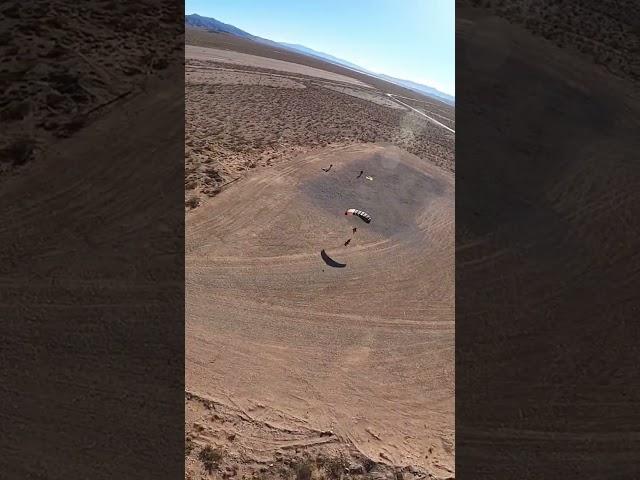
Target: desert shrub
x,y
304,470
73,125
192,202
210,458
5,38
368,464
335,467
161,64
18,152
188,446
16,111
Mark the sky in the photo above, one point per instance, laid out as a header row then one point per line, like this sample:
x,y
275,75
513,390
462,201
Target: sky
x,y
407,39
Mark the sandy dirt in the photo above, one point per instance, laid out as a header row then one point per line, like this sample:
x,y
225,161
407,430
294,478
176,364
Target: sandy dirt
x,y
365,351
226,56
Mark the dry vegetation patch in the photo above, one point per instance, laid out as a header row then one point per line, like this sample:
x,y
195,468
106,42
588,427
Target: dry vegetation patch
x,y
58,63
607,31
223,443
233,127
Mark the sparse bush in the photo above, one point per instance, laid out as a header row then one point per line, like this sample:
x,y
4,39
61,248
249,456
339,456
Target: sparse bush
x,y
304,470
16,111
188,446
210,458
192,202
75,124
284,472
19,152
12,11
161,64
54,99
5,38
335,467
368,464
56,51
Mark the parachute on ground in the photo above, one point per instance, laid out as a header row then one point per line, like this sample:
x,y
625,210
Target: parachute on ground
x,y
359,213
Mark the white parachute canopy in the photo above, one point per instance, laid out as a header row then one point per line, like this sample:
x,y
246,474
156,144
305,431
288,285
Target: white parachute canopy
x,y
359,213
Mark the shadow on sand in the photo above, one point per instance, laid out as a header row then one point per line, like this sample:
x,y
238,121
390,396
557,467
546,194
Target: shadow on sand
x,y
331,262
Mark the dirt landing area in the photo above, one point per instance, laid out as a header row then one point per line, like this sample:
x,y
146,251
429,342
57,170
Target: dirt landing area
x,y
355,362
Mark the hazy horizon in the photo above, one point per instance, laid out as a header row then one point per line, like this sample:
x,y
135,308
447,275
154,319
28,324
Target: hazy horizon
x,y
419,37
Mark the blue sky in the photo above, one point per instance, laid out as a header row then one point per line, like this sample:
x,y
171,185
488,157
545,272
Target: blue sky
x,y
408,39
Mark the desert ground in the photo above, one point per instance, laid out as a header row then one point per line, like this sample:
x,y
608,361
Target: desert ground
x,y
298,367
90,248
546,250
59,72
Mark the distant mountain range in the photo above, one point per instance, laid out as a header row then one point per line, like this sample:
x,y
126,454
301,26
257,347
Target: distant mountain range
x,y
213,25
324,56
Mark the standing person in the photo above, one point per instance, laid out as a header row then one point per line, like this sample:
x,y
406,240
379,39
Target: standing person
x,y
354,229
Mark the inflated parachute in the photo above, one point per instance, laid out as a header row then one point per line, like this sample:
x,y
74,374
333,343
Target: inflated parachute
x,y
359,213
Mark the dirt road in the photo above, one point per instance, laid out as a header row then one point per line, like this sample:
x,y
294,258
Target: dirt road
x,y
365,351
393,97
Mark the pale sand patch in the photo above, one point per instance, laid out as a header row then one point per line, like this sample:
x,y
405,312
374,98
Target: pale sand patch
x,y
222,76
227,56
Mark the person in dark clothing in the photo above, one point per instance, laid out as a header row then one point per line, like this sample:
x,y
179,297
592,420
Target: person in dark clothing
x,y
354,229
347,242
